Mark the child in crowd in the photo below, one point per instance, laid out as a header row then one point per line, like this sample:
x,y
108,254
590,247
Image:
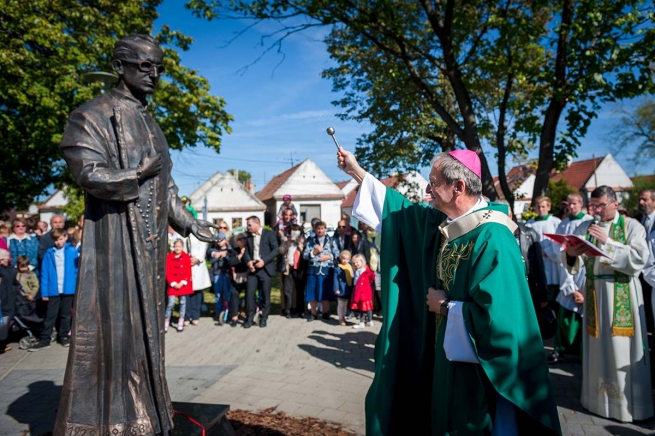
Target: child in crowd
x,y
28,279
58,280
220,272
4,234
178,277
363,292
286,204
343,282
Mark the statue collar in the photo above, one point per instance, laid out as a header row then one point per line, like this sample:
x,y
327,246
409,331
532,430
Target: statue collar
x,y
128,99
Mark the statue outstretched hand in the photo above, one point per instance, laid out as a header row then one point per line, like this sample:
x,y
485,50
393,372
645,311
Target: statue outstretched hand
x,y
348,164
201,230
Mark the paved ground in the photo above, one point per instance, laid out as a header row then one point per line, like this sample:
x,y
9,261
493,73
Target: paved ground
x,y
306,369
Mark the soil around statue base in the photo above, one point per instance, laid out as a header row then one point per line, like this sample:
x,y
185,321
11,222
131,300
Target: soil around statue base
x,y
270,422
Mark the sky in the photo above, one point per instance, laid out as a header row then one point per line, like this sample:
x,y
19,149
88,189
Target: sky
x,y
281,105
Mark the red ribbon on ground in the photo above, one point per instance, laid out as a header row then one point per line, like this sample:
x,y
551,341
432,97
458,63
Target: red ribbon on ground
x,y
184,415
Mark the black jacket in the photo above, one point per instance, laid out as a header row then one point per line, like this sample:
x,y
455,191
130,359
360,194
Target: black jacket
x,y
44,243
8,288
534,264
346,242
268,250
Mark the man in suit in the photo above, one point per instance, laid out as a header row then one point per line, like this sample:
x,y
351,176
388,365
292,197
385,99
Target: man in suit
x,y
261,252
647,277
342,239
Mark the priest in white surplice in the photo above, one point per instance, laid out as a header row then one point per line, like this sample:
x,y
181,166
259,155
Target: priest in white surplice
x,y
615,369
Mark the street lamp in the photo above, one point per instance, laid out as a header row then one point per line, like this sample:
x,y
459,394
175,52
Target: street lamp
x,y
108,80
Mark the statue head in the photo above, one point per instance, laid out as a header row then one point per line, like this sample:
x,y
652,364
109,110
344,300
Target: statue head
x,y
138,63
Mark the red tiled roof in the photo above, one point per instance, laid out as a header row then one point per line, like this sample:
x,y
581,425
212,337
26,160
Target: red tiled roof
x,y
275,183
349,201
342,185
578,173
390,182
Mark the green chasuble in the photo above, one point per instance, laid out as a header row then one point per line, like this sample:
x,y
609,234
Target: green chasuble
x,y
416,390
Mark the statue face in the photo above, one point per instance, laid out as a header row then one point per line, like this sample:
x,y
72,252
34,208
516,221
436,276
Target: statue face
x,y
141,74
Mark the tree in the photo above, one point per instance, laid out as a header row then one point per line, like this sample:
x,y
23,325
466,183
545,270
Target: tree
x,y
46,47
74,209
557,192
431,74
242,175
639,183
637,128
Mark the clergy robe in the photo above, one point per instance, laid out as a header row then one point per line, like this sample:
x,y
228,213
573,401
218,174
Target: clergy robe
x,y
416,388
547,224
115,381
615,369
569,316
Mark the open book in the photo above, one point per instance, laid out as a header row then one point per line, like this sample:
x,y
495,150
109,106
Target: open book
x,y
575,240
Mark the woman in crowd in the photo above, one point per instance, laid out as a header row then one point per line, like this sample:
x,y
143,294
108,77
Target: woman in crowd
x,y
237,248
22,244
221,273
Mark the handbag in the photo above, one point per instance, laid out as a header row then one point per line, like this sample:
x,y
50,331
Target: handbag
x,y
240,277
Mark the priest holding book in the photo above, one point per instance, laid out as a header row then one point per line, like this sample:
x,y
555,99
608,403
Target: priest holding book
x,y
476,367
615,367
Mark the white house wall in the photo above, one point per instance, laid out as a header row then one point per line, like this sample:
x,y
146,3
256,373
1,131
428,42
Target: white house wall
x,y
228,217
308,180
609,173
330,209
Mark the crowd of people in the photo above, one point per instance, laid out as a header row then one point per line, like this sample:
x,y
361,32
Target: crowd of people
x,y
38,274
318,273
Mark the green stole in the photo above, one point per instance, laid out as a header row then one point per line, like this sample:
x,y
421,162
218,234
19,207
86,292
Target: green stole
x,y
542,218
623,321
579,216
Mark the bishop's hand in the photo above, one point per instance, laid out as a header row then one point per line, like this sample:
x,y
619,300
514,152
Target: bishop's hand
x,y
348,164
201,230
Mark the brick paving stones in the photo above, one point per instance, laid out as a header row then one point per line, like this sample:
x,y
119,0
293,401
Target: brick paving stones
x,y
316,369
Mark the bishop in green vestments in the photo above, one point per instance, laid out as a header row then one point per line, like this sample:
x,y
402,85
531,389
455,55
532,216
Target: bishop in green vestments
x,y
471,360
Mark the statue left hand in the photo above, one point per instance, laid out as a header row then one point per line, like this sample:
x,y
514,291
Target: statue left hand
x,y
200,230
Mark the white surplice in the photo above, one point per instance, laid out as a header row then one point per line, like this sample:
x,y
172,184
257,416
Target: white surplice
x,y
568,283
615,370
548,226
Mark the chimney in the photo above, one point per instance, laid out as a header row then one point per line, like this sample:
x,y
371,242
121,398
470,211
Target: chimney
x,y
250,186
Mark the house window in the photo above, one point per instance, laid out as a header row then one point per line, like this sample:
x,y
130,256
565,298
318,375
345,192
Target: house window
x,y
309,211
217,220
237,222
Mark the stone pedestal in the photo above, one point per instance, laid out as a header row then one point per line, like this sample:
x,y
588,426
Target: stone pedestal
x,y
213,417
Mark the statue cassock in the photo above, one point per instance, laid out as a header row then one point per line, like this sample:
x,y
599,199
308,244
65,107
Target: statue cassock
x,y
115,382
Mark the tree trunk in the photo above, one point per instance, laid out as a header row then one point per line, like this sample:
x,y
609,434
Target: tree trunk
x,y
556,105
547,149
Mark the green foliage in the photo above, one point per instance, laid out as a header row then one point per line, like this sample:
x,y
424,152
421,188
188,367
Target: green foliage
x,y
46,47
435,75
75,206
637,128
242,175
557,192
638,184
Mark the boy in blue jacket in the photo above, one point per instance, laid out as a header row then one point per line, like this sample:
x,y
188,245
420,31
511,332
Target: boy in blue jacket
x,y
58,281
